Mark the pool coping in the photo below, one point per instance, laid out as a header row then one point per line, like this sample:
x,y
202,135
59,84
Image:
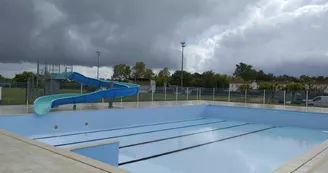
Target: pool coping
x,y
65,153
308,161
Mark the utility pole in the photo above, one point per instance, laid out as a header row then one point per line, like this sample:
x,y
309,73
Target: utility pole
x,y
98,53
183,45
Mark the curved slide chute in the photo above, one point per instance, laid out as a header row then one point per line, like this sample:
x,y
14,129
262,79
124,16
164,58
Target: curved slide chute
x,y
43,105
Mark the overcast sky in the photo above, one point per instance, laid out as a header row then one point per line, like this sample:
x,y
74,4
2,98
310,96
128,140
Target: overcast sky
x,y
278,36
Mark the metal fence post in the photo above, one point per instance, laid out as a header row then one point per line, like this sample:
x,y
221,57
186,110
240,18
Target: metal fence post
x,y
245,97
102,103
285,99
229,95
165,93
196,93
138,99
176,95
152,97
81,89
307,97
213,95
121,102
187,93
200,93
263,98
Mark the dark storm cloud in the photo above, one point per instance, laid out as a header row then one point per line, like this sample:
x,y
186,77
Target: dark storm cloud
x,y
71,31
220,34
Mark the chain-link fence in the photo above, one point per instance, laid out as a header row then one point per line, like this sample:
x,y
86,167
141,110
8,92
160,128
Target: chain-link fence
x,y
25,93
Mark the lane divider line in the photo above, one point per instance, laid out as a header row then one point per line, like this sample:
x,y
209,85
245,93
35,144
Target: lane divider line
x,y
194,146
120,128
132,134
190,134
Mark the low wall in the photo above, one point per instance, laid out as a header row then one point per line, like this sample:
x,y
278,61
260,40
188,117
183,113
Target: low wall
x,y
274,117
64,122
106,152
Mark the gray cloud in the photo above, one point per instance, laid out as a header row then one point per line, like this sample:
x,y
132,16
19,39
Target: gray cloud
x,y
278,36
61,31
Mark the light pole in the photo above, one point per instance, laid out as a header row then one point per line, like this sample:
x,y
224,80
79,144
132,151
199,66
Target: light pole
x,y
183,44
98,53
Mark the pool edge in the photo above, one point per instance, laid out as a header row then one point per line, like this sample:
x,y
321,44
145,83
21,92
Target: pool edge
x,y
64,153
307,162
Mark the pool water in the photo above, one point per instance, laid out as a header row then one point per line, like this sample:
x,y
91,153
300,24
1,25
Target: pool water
x,y
199,145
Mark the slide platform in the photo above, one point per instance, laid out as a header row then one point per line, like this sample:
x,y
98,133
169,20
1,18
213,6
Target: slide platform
x,y
43,105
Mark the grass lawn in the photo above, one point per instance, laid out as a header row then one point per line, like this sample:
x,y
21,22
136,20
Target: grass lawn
x,y
16,96
12,96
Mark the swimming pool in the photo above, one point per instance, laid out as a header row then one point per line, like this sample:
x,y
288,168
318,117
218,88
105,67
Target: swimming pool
x,y
180,139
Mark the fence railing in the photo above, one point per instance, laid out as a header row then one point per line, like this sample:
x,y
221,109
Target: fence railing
x,y
20,93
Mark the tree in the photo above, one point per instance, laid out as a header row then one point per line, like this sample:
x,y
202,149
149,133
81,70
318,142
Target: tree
x,y
268,86
163,76
23,77
148,74
119,72
320,78
127,72
1,77
176,78
245,71
222,81
294,87
139,70
243,87
208,79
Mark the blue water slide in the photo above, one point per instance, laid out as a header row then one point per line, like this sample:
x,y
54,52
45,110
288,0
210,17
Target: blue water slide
x,y
43,105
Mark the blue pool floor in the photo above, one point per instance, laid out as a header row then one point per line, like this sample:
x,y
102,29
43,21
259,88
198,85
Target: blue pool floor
x,y
200,145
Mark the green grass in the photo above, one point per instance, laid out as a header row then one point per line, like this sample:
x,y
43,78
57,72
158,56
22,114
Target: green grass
x,y
16,96
12,96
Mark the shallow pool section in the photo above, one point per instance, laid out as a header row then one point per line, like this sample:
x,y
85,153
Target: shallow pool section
x,y
188,139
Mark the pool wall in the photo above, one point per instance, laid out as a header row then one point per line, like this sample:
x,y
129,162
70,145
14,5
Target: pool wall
x,y
66,122
106,152
309,120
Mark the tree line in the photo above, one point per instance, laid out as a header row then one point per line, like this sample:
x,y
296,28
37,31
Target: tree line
x,y
207,79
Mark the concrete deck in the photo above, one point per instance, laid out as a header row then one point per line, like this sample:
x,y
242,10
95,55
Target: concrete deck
x,y
22,155
19,154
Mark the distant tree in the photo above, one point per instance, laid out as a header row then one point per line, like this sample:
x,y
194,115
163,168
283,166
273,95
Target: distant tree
x,y
196,80
245,71
222,81
208,79
268,86
148,74
138,70
119,72
244,87
176,78
127,72
295,87
320,78
163,76
23,77
1,77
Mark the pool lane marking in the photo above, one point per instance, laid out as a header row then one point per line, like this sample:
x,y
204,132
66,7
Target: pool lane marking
x,y
121,128
194,146
190,134
132,134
